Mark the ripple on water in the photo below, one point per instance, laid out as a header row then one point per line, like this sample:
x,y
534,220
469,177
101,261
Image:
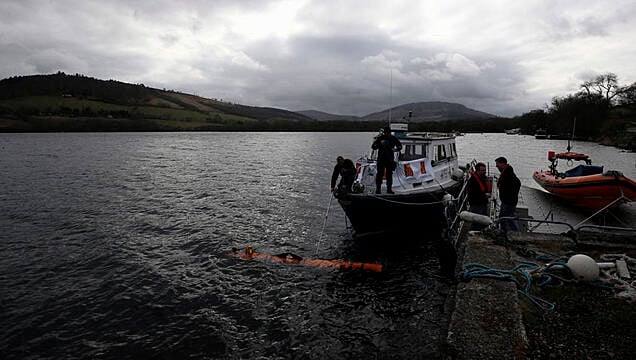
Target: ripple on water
x,y
115,246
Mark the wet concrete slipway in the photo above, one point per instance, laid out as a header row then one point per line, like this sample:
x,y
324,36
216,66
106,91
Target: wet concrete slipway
x,y
514,299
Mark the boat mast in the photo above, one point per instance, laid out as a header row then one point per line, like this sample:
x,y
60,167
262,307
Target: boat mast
x,y
572,134
390,95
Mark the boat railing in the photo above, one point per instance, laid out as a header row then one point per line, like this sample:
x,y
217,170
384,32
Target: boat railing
x,y
618,200
574,230
453,208
605,227
529,219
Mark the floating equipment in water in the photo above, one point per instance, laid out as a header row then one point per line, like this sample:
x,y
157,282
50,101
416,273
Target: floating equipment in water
x,y
583,268
250,254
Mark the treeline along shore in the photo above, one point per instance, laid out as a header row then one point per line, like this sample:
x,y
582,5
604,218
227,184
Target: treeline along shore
x,y
77,103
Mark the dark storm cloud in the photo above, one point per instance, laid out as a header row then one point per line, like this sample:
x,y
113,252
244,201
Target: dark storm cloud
x,y
353,75
330,56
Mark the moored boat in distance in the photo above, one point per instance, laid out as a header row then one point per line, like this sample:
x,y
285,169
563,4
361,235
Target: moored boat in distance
x,y
426,178
585,185
515,131
540,134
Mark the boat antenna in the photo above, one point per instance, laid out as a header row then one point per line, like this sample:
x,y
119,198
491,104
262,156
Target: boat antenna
x,y
572,134
390,94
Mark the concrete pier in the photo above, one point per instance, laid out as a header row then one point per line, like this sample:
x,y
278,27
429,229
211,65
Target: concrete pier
x,y
486,322
489,320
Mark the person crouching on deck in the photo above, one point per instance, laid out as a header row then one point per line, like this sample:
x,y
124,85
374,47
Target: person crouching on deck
x,y
346,170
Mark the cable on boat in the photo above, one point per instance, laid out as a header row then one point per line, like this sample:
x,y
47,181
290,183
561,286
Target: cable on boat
x,y
324,223
406,203
604,209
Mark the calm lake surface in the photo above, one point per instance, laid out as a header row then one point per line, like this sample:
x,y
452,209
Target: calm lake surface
x,y
114,245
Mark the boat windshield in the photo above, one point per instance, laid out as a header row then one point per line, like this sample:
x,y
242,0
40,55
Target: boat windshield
x,y
414,151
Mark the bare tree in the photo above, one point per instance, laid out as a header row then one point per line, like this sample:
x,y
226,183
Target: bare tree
x,y
627,94
605,85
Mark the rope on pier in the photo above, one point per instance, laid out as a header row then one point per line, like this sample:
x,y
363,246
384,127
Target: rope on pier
x,y
521,275
553,274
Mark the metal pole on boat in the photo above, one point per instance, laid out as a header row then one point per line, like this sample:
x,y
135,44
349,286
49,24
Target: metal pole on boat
x,y
324,223
572,135
390,94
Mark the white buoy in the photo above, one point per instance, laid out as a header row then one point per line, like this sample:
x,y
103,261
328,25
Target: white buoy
x,y
476,218
583,267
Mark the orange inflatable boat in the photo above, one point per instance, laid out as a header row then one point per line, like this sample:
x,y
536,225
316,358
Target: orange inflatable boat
x,y
585,185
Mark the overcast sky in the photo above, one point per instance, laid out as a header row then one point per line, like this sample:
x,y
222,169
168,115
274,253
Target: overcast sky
x,y
501,57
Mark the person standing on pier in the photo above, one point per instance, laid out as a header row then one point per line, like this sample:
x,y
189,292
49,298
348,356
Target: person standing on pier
x,y
386,144
478,190
509,186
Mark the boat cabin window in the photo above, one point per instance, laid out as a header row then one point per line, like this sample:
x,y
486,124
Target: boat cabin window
x,y
453,150
414,151
440,154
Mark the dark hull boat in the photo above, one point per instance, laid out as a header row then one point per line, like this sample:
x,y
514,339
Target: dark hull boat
x,y
425,181
421,213
540,134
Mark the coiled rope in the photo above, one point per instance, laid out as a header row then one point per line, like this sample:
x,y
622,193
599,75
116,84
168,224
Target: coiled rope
x,y
553,274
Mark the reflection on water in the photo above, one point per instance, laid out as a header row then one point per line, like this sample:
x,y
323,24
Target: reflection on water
x,y
114,246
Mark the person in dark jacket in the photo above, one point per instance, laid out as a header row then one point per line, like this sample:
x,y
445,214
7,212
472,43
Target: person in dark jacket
x,y
336,172
509,186
478,190
386,144
346,170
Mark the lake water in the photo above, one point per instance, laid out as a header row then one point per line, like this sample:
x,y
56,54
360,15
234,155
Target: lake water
x,y
114,245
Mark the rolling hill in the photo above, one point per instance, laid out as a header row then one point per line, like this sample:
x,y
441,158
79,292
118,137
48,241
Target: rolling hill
x,y
422,112
61,102
323,116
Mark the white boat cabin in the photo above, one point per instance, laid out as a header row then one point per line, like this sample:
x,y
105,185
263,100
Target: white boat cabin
x,y
427,160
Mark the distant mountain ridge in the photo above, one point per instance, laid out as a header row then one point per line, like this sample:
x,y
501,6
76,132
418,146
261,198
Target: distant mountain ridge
x,y
426,111
323,116
61,102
